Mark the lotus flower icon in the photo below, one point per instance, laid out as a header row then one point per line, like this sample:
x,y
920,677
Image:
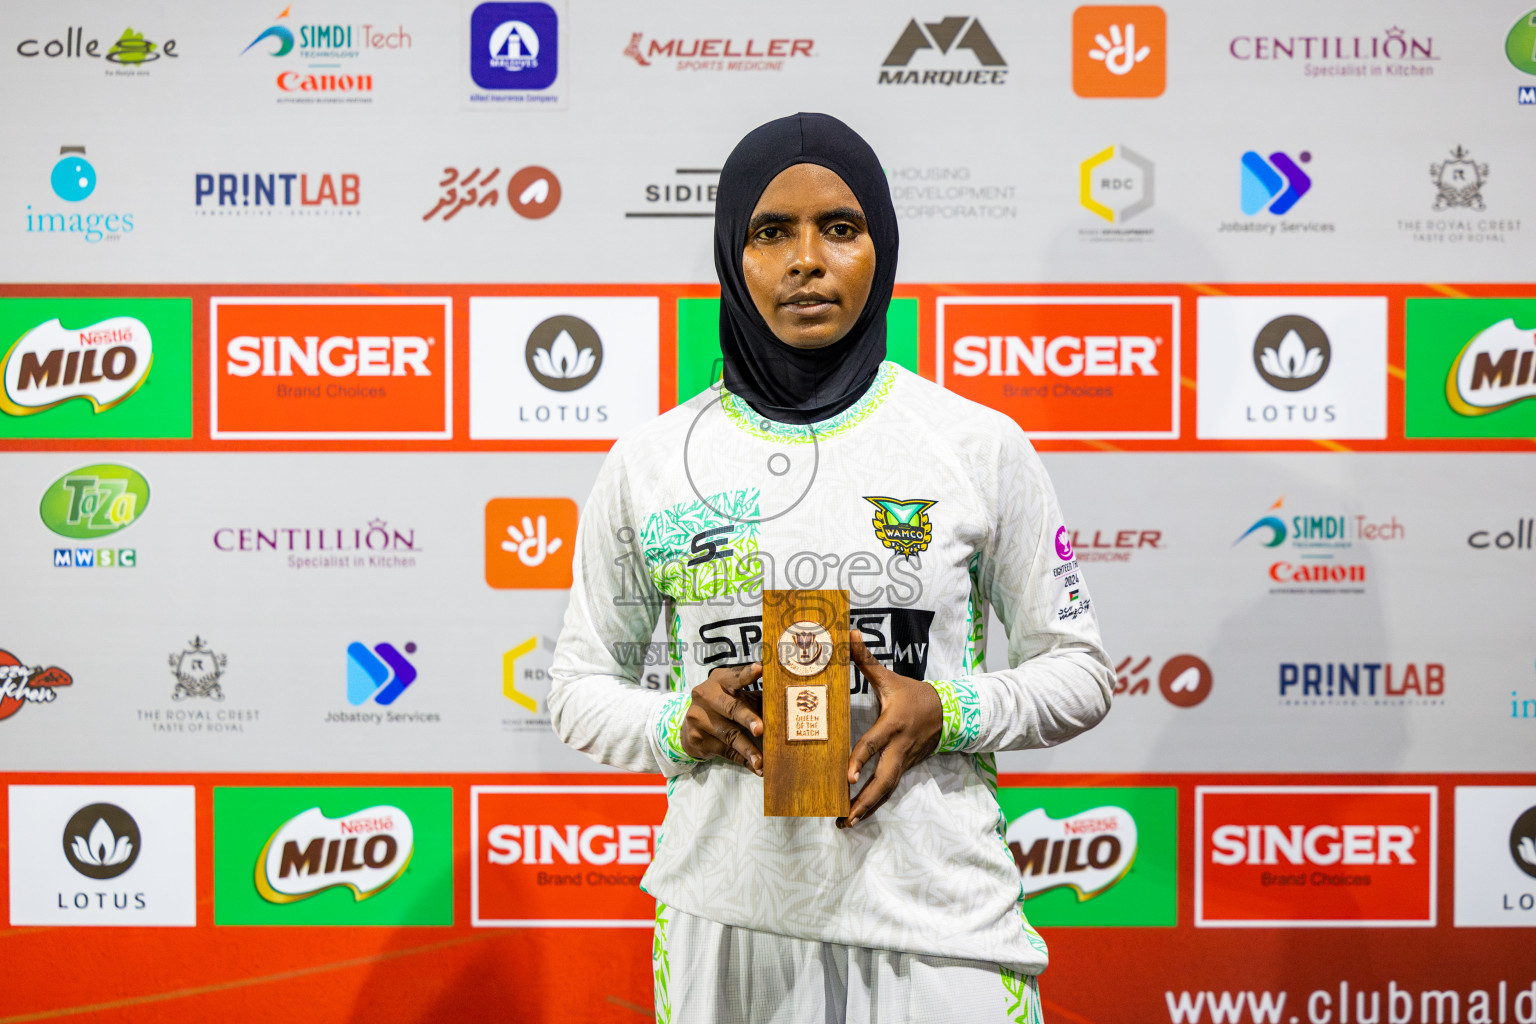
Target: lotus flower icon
x,y
1293,359
562,359
564,353
102,848
1292,352
1528,850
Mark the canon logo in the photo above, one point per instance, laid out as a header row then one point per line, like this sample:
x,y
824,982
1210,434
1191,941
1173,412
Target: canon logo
x,y
339,356
1320,844
1094,355
595,844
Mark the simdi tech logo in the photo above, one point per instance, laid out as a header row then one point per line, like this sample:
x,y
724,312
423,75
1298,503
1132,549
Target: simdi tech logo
x,y
324,48
1315,856
1495,857
562,368
92,503
1066,367
1098,857
73,179
333,856
1119,51
1471,367
331,368
563,856
1297,367
1319,553
529,543
928,53
103,855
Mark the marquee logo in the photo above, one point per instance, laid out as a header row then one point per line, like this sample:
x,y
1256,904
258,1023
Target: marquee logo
x,y
102,841
1087,852
1119,51
1066,367
365,851
94,501
20,684
340,368
1276,184
103,363
944,38
1315,856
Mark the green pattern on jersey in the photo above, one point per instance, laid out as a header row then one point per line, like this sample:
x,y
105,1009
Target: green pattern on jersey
x,y
675,653
661,968
961,705
975,621
669,727
668,545
1023,997
749,420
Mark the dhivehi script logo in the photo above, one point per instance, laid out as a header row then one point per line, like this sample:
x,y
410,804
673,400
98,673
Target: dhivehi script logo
x,y
1088,852
1493,371
310,853
103,363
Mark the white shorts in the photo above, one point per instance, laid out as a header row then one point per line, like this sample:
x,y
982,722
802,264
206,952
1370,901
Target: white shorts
x,y
709,973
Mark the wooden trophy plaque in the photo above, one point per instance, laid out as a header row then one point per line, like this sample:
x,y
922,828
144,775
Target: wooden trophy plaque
x,y
805,703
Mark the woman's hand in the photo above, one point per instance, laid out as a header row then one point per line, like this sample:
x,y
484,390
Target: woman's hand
x,y
724,722
909,727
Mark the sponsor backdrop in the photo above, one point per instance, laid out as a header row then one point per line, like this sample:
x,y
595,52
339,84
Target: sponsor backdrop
x,y
318,320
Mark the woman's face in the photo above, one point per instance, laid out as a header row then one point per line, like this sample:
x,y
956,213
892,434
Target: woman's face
x,y
809,260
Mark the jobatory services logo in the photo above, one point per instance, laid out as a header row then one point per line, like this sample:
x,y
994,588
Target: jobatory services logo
x,y
1116,184
1119,51
1296,367
1327,54
295,194
131,56
376,545
689,194
22,684
1495,857
562,368
514,55
1270,188
562,856
1064,366
1314,552
73,179
103,855
342,856
699,53
331,368
1095,857
532,193
1315,856
529,543
1184,680
1458,180
928,53
380,674
1471,367
95,368
91,503
323,49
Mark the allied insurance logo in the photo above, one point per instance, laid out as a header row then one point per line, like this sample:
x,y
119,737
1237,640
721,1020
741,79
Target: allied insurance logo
x,y
514,54
563,856
322,856
1066,367
331,368
95,368
1119,51
1315,856
1471,367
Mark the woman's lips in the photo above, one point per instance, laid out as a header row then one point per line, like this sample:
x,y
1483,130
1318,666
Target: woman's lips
x,y
809,309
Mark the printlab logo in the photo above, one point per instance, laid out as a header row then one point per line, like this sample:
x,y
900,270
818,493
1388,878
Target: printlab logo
x,y
1184,680
198,670
514,53
260,195
1291,353
1276,184
1110,545
381,674
1116,183
73,179
564,353
1119,51
532,193
937,43
529,543
20,684
131,51
102,841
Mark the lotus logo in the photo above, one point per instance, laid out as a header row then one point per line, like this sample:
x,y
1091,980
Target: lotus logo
x,y
101,841
1292,353
564,353
1522,842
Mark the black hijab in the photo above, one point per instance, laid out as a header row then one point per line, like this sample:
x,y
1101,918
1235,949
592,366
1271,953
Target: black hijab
x,y
780,381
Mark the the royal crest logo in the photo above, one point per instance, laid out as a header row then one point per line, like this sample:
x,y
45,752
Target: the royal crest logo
x,y
20,684
309,853
198,670
903,525
1458,181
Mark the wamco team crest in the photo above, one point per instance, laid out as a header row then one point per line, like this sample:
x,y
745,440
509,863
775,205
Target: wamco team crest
x,y
903,525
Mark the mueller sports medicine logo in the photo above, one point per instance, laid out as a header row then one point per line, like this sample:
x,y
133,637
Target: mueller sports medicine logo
x,y
1087,852
365,852
339,368
21,684
103,363
1119,51
928,53
720,54
1299,857
73,179
1063,367
562,856
262,194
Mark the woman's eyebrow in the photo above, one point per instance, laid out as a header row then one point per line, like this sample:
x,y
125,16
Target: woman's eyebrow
x,y
765,218
852,213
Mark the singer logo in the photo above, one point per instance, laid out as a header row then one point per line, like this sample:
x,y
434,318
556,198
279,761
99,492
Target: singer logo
x,y
563,856
1086,367
1315,856
332,368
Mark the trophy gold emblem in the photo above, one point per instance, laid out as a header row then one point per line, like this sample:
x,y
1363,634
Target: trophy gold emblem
x,y
806,677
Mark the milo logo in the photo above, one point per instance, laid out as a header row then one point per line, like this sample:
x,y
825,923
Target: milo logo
x,y
309,853
94,501
103,363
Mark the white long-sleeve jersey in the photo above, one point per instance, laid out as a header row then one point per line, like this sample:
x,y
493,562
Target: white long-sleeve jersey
x,y
928,509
